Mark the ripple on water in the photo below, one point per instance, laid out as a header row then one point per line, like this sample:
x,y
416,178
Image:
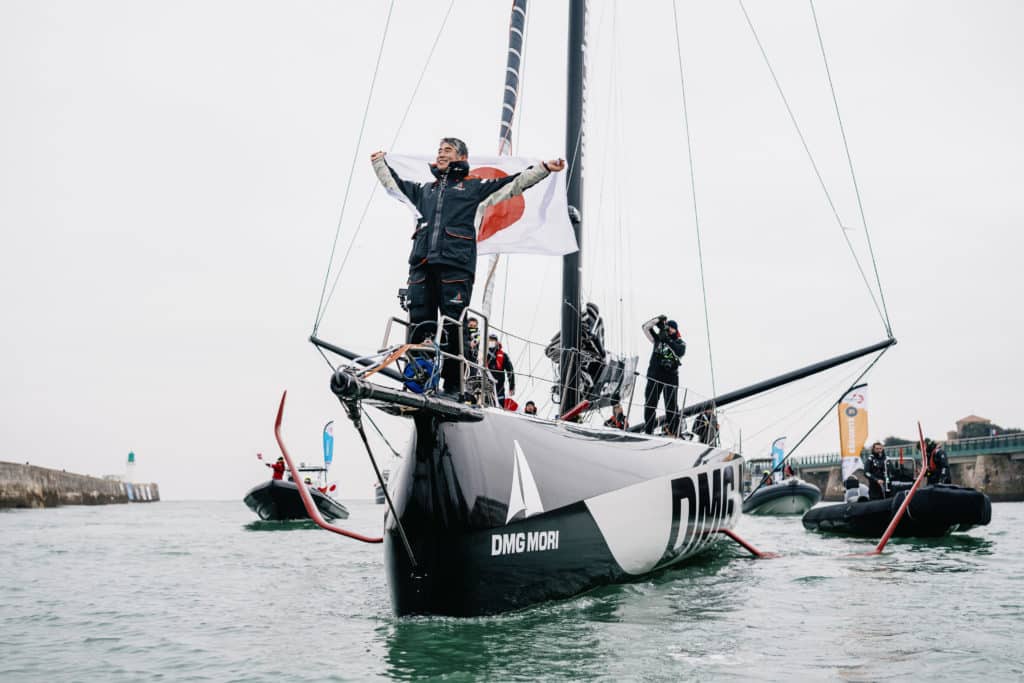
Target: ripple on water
x,y
198,591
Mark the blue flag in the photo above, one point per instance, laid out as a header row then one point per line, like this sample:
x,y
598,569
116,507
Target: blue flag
x,y
328,443
778,452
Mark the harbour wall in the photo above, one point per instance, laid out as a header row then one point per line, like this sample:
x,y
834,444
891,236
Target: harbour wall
x,y
1000,476
28,486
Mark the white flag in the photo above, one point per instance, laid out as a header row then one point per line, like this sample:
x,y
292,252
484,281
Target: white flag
x,y
536,222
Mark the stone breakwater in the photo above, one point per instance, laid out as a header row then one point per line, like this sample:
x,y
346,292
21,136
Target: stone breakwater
x,y
28,486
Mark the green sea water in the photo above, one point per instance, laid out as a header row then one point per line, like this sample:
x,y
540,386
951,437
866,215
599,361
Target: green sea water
x,y
200,591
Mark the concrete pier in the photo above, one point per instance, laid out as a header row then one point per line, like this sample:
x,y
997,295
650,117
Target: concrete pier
x,y
28,486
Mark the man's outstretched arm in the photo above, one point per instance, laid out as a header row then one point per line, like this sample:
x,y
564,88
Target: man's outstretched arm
x,y
500,189
392,181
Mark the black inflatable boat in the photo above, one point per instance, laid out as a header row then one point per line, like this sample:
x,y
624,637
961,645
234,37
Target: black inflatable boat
x,y
792,496
934,511
278,500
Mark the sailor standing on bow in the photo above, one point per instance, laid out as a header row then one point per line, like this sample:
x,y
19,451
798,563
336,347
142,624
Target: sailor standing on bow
x,y
663,372
442,263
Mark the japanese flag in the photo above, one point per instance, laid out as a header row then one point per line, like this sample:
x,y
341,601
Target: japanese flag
x,y
535,222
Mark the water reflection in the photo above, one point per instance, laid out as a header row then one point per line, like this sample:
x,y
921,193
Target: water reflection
x,y
567,639
493,648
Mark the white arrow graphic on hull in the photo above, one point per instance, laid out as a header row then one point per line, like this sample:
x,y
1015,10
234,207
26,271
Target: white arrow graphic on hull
x,y
524,496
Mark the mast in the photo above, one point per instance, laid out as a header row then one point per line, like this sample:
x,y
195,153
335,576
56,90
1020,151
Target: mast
x,y
509,101
516,32
571,263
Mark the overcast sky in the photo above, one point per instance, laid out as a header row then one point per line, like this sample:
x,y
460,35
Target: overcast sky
x,y
172,174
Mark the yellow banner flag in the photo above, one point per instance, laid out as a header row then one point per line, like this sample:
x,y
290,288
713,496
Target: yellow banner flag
x,y
853,428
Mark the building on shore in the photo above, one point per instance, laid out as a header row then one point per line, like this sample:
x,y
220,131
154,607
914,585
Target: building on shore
x,y
963,427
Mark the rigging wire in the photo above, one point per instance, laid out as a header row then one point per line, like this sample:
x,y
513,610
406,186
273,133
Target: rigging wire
x,y
825,414
352,168
814,165
570,162
366,414
693,191
799,412
359,224
853,176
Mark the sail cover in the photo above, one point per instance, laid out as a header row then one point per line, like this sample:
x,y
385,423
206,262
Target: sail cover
x,y
535,223
853,428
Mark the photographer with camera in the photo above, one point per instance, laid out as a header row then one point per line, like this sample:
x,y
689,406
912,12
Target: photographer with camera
x,y
663,372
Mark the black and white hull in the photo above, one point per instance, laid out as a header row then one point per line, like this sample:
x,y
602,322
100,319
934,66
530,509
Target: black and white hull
x,y
505,511
791,496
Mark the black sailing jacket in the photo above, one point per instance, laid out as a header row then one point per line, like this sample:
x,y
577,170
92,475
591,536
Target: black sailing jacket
x,y
446,232
667,352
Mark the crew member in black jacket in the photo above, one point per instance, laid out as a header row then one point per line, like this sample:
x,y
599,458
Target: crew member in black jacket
x,y
442,263
663,372
875,472
938,464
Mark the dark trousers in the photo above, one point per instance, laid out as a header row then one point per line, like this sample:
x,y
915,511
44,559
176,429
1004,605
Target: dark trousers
x,y
444,290
655,388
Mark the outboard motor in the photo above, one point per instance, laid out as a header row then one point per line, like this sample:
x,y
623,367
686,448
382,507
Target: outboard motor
x,y
852,490
855,491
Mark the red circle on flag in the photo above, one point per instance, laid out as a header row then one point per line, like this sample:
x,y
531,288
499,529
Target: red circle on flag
x,y
501,215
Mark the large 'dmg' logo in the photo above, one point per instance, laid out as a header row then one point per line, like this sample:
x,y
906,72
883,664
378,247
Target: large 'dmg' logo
x,y
709,504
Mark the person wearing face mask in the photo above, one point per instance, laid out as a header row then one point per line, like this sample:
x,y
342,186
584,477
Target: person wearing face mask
x,y
442,262
472,338
500,365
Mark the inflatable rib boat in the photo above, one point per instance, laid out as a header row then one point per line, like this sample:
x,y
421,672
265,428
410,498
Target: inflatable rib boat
x,y
278,500
934,511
